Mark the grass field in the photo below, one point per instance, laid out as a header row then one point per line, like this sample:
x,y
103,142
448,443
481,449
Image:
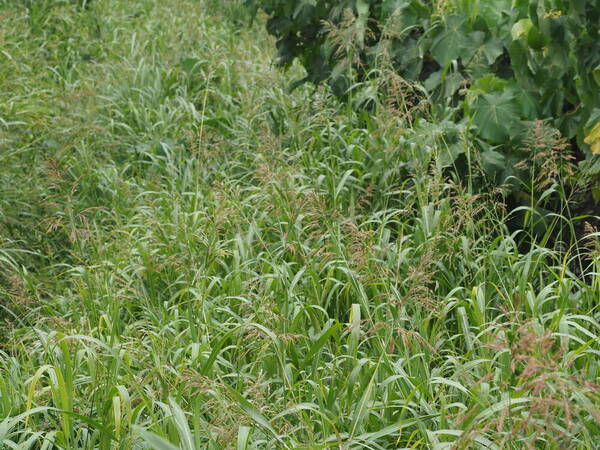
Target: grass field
x,y
191,256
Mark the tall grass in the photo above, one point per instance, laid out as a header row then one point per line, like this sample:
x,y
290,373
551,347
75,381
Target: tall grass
x,y
193,257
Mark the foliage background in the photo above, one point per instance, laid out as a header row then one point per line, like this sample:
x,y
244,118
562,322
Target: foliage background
x,y
495,66
193,257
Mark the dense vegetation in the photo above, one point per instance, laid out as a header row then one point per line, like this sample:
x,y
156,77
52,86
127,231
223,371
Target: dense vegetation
x,y
192,256
494,66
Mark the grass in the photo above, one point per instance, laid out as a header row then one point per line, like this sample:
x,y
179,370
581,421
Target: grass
x,y
193,257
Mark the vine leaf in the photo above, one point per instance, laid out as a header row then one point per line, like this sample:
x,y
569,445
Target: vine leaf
x,y
450,44
495,113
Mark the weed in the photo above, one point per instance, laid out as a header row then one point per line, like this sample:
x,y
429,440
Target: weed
x,y
191,256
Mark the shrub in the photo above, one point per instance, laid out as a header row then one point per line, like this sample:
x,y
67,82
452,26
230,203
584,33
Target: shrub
x,y
498,65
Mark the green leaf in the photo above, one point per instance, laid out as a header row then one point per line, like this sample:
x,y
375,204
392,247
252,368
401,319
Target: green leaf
x,y
156,442
493,161
495,113
253,412
185,434
480,53
491,50
390,7
434,80
452,83
362,7
451,42
488,84
475,41
535,39
491,11
243,437
449,153
527,104
319,343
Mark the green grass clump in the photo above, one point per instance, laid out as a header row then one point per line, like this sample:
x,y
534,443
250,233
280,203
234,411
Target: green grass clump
x,y
193,257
